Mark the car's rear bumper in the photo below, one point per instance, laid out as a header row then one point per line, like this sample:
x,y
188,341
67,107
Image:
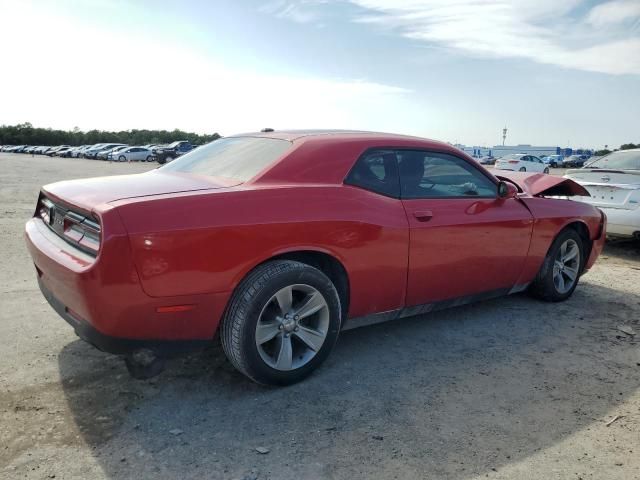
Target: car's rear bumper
x,y
103,300
117,345
621,222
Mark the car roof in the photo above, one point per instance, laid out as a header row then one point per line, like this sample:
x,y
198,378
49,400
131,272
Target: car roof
x,y
332,135
326,156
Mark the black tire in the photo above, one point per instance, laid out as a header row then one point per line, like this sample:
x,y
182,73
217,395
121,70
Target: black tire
x,y
546,170
543,286
238,328
122,158
522,169
149,158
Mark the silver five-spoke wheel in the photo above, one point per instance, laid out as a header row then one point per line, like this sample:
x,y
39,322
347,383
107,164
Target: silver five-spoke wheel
x,y
292,327
566,266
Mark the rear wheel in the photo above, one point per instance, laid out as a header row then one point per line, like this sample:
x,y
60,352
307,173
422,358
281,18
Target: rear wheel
x,y
560,271
122,158
546,170
523,169
282,322
149,158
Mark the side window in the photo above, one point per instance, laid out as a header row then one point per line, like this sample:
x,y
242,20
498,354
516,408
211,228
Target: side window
x,y
376,170
440,175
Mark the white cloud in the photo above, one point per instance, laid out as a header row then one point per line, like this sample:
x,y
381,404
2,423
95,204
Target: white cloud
x,y
67,73
299,11
545,31
614,12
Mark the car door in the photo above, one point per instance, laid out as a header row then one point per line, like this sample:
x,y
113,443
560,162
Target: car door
x,y
537,165
464,239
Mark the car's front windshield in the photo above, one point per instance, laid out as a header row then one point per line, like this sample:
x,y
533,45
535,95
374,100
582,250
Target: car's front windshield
x,y
239,158
621,160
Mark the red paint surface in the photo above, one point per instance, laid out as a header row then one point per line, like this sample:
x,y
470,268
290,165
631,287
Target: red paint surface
x,y
174,239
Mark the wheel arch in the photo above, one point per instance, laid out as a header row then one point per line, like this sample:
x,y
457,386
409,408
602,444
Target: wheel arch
x,y
327,262
582,230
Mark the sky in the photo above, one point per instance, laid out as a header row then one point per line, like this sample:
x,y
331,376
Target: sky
x,y
554,72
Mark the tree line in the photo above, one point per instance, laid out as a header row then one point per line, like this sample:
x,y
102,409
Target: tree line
x,y
27,134
625,146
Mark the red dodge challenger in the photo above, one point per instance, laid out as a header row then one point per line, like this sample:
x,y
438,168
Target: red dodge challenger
x,y
280,240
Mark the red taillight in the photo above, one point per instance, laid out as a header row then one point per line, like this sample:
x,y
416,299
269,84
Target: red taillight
x,y
45,207
513,161
82,231
73,227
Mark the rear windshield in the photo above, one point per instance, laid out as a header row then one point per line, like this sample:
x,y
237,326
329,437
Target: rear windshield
x,y
240,158
622,160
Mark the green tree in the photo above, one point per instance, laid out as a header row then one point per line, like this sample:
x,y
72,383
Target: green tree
x,y
27,134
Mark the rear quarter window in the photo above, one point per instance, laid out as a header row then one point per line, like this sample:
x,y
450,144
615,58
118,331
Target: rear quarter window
x,y
239,158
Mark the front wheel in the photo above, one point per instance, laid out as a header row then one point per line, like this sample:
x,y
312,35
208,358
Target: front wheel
x,y
560,271
523,169
122,158
282,322
546,170
149,158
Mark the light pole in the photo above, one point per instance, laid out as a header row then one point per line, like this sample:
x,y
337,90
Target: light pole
x,y
504,135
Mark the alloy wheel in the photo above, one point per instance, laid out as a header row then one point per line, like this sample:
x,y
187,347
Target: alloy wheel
x,y
566,266
292,327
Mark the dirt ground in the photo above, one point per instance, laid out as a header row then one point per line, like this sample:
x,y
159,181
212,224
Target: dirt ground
x,y
509,388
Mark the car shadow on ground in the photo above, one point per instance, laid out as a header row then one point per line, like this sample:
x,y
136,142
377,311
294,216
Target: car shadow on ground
x,y
449,395
626,250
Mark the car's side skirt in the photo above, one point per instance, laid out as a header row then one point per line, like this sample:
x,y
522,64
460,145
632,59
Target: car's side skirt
x,y
380,317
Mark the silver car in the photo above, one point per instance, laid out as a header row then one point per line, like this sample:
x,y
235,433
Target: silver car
x,y
132,154
613,182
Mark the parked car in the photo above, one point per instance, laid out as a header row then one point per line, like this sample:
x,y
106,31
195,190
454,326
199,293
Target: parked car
x,y
104,154
63,152
613,182
521,162
573,161
132,154
487,160
167,153
280,240
592,160
52,152
45,150
96,149
553,161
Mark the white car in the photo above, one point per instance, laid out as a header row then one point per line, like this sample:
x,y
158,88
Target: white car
x,y
613,182
132,154
521,162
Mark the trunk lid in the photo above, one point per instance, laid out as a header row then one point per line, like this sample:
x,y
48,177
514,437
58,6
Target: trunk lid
x,y
609,188
89,192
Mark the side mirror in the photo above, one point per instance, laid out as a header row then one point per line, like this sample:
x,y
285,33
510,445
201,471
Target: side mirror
x,y
507,190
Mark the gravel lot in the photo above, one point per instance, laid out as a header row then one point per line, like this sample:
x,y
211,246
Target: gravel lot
x,y
509,388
